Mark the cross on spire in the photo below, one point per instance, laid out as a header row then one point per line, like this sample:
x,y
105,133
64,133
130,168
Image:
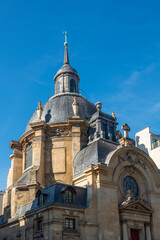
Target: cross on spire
x,y
66,35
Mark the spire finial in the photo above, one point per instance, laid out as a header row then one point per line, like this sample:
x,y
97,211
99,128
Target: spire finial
x,y
66,35
66,57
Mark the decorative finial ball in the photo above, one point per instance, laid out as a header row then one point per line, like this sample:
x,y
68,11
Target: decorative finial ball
x,y
98,106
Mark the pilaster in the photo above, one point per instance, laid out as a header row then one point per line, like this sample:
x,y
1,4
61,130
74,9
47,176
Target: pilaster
x,y
39,150
16,161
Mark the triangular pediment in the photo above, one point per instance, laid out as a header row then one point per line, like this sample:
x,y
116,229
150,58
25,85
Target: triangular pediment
x,y
136,205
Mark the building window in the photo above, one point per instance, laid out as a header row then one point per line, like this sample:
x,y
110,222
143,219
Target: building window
x,y
39,225
69,223
72,85
130,184
57,87
68,196
28,159
40,199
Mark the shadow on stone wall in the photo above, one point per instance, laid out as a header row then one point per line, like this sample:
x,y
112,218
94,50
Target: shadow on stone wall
x,y
141,146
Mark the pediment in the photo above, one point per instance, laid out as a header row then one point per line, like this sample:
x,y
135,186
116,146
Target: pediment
x,y
136,205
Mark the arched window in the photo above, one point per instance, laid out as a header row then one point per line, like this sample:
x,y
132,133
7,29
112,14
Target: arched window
x,y
72,85
28,159
68,196
58,87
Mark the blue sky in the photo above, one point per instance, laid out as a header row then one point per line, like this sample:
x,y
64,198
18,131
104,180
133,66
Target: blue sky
x,y
114,46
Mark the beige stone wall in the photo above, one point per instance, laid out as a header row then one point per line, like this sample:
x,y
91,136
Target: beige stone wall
x,y
53,223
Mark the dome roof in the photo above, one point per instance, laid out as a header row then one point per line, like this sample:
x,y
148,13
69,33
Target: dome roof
x,y
66,68
59,108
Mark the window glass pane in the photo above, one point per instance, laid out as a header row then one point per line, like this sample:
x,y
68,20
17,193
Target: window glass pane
x,y
68,196
40,199
69,223
28,162
66,223
39,225
73,85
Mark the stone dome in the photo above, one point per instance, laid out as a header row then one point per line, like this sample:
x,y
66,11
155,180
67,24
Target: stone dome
x,y
59,108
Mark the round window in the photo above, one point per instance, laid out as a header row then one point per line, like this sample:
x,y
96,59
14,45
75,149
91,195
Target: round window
x,y
130,184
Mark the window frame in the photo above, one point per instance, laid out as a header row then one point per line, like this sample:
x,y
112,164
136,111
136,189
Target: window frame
x,y
68,196
39,225
73,86
70,223
29,147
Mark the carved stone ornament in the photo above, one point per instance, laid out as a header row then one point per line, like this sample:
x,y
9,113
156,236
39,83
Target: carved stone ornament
x,y
133,157
129,198
59,132
129,169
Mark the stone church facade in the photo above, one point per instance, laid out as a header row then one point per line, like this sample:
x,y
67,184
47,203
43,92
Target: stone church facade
x,y
74,177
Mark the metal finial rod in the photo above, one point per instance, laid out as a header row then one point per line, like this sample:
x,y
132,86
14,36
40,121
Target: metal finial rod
x,y
66,35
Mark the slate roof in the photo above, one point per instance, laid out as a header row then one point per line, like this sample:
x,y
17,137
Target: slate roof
x,y
23,180
59,108
96,152
66,68
102,115
54,195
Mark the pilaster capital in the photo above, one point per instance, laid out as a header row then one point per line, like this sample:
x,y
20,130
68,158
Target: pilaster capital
x,y
124,221
15,144
148,224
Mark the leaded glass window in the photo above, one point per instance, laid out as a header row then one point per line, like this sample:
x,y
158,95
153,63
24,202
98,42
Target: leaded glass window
x,y
129,183
72,85
28,160
68,196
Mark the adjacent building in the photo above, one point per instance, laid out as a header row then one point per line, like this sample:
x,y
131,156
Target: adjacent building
x,y
149,143
74,177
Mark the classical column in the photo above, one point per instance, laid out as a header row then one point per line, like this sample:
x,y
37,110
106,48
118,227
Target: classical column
x,y
124,230
148,231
